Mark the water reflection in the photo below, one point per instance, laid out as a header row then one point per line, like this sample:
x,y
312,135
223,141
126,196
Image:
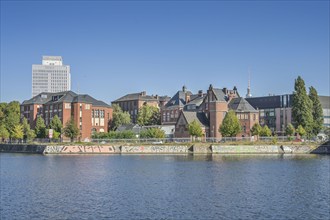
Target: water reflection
x,y
165,186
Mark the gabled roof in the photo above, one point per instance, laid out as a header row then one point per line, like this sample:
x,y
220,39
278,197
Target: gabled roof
x,y
196,101
178,100
136,96
219,94
67,96
240,104
45,97
200,117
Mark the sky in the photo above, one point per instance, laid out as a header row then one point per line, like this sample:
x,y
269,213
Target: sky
x,y
120,47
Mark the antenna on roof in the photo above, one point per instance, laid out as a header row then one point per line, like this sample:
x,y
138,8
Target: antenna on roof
x,y
248,94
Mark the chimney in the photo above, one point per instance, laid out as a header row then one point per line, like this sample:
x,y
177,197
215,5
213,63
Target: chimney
x,y
184,88
200,93
143,93
224,90
187,98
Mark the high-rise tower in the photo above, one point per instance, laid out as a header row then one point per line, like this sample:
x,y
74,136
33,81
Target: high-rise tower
x,y
248,94
51,76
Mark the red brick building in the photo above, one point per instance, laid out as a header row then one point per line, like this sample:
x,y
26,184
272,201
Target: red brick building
x,y
131,103
246,114
187,117
182,100
212,111
88,113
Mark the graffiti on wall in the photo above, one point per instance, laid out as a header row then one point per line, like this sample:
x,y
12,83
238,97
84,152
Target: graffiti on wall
x,y
154,149
80,149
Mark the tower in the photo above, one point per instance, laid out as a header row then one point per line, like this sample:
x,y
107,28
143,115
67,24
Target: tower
x,y
50,76
248,94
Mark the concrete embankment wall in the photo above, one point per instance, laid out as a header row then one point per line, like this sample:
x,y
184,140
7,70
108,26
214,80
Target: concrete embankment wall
x,y
260,149
22,148
160,149
322,149
79,149
164,149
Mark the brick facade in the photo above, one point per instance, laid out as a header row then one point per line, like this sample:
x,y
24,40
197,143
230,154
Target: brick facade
x,y
89,114
131,103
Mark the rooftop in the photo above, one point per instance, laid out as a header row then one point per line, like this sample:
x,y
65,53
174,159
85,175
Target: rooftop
x,y
241,105
136,96
66,96
200,117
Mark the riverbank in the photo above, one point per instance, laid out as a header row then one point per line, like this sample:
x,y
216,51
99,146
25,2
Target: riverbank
x,y
165,149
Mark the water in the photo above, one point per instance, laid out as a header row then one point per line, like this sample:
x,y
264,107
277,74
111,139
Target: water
x,y
164,187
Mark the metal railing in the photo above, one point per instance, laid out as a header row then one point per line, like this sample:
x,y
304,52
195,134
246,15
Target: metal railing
x,y
273,139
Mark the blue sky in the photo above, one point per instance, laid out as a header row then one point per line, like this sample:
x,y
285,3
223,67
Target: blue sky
x,y
115,47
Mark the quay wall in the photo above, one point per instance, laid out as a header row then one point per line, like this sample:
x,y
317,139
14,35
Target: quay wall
x,y
22,148
157,149
165,149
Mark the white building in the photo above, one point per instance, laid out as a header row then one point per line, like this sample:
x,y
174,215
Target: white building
x,y
51,76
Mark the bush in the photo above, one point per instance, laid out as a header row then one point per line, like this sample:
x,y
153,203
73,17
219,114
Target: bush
x,y
114,135
152,133
274,140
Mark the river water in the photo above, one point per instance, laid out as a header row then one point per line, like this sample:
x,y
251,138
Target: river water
x,y
164,187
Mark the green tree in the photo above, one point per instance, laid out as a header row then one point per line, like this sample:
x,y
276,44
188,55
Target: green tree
x,y
289,130
265,131
4,134
317,111
56,124
40,128
302,106
301,131
56,135
230,126
256,129
17,132
148,115
152,133
70,130
119,117
195,129
28,134
12,116
2,112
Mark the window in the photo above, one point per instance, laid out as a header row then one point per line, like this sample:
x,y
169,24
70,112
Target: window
x,y
87,106
67,106
96,113
254,117
92,113
102,114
